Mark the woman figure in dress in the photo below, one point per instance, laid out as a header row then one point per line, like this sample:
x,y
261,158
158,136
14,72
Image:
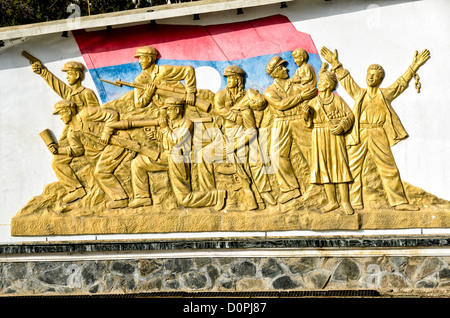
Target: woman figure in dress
x,y
330,118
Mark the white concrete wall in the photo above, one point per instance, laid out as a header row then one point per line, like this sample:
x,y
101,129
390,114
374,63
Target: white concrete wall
x,y
364,32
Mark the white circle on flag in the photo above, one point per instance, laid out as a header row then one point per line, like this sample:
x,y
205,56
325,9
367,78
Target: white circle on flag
x,y
208,78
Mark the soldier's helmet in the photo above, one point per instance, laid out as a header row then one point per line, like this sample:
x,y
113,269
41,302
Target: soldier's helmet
x,y
274,63
173,102
64,104
233,70
73,66
146,50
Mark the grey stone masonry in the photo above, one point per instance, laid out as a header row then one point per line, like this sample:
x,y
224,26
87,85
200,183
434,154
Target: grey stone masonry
x,y
423,275
380,274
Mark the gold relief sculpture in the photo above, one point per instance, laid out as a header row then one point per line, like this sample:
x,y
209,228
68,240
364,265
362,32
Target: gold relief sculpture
x,y
175,134
88,135
168,157
377,126
236,107
285,106
330,117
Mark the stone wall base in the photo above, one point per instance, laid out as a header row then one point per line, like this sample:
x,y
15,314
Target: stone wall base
x,y
293,276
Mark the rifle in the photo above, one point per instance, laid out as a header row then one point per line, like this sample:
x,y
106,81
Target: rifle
x,y
129,144
30,57
164,91
129,124
134,146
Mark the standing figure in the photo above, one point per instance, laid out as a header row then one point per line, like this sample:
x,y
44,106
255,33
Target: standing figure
x,y
377,127
234,105
331,118
284,104
176,137
88,136
74,91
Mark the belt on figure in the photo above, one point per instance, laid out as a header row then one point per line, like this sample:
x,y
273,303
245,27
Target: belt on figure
x,y
287,117
364,125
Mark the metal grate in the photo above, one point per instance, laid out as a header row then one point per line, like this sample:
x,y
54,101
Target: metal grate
x,y
253,294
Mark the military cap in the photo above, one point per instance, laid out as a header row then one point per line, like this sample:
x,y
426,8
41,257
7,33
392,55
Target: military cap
x,y
173,101
62,104
146,50
73,65
274,63
233,70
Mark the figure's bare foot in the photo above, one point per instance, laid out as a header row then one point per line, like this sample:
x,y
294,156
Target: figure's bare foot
x,y
347,208
330,207
406,207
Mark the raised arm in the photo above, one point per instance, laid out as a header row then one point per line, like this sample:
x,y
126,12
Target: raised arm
x,y
347,81
60,88
402,82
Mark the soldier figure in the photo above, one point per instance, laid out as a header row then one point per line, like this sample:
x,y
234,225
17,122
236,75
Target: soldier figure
x,y
75,92
82,97
284,104
176,136
169,75
233,105
88,136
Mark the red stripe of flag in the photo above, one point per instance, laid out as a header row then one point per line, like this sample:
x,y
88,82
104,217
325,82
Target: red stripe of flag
x,y
224,42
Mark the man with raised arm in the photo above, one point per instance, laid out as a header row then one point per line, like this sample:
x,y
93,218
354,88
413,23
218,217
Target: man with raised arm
x,y
377,127
72,91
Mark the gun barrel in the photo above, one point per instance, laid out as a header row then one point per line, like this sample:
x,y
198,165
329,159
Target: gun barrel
x,y
110,82
30,57
129,124
134,146
166,91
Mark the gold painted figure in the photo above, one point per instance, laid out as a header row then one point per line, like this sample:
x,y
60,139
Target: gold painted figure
x,y
73,91
82,97
331,118
88,136
236,107
158,132
377,126
305,75
284,104
168,75
176,136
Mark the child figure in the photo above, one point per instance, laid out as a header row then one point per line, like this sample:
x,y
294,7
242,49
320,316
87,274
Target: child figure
x,y
330,117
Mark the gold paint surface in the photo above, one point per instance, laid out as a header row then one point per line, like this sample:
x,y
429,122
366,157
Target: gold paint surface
x,y
132,165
